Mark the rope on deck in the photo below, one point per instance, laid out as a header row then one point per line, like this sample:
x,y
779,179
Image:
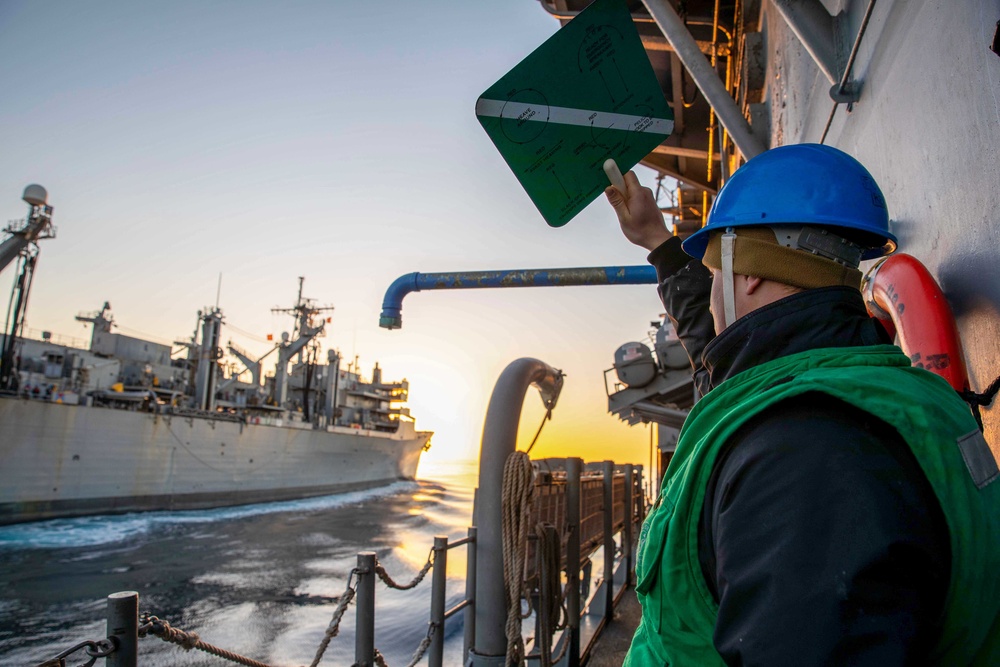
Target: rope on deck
x,y
516,501
334,627
151,625
391,583
190,640
551,610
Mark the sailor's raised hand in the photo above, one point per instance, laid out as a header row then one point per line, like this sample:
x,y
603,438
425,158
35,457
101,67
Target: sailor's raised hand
x,y
638,214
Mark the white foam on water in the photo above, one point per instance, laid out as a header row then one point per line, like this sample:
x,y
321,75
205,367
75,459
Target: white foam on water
x,y
99,530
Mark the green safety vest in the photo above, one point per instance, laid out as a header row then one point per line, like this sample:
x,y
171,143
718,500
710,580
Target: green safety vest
x,y
678,611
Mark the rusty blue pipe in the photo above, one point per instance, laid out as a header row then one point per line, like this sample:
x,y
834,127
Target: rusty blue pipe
x,y
392,304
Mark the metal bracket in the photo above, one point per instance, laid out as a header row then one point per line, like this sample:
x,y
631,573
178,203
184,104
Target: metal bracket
x,y
845,94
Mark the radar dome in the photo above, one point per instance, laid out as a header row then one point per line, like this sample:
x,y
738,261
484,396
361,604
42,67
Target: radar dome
x,y
35,195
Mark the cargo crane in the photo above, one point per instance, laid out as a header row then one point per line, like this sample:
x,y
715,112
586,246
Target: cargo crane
x,y
21,245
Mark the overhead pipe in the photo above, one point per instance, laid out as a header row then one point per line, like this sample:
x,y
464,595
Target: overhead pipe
x,y
816,29
392,303
648,42
705,77
678,151
570,14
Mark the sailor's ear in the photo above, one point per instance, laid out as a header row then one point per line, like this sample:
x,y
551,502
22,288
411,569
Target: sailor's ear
x,y
753,282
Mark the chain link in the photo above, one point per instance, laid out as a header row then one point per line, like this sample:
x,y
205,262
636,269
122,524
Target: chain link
x,y
95,649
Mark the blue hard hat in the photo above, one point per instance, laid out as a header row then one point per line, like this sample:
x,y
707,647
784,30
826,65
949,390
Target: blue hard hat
x,y
802,184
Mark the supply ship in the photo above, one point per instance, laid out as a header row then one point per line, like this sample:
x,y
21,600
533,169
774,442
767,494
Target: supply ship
x,y
122,425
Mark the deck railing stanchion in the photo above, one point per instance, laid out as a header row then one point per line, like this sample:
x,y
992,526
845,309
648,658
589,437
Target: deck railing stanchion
x,y
470,595
573,467
439,577
629,518
364,638
642,494
536,593
123,626
609,539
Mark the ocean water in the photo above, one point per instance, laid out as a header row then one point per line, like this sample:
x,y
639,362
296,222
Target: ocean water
x,y
261,580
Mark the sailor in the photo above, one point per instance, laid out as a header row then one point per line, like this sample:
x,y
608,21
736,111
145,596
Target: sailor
x,y
827,503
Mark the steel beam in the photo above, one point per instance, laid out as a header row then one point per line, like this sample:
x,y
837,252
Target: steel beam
x,y
706,78
684,152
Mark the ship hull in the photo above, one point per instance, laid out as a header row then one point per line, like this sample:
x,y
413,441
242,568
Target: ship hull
x,y
63,460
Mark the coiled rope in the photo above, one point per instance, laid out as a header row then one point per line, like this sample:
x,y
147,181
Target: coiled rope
x,y
516,505
551,610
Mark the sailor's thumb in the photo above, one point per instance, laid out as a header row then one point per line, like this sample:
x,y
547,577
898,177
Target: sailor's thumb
x,y
616,199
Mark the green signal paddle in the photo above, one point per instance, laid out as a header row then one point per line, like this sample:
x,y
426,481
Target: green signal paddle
x,y
588,94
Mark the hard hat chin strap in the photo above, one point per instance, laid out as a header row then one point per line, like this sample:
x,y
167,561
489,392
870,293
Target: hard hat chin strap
x,y
728,288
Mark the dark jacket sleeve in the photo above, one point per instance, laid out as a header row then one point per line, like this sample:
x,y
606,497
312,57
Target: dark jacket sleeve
x,y
685,287
823,541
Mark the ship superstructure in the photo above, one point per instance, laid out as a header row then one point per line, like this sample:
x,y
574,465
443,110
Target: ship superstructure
x,y
129,424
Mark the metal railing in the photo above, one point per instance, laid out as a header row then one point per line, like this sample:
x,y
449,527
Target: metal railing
x,y
574,509
365,653
590,506
586,509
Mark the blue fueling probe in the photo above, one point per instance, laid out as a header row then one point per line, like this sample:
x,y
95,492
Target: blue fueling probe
x,y
392,304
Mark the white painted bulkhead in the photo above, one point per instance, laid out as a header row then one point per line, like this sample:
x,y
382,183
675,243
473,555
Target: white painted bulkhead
x,y
927,126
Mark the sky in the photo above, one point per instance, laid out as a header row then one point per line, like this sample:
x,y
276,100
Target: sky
x,y
260,141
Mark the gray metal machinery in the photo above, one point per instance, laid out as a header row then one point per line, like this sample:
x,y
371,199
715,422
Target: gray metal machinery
x,y
305,310
653,388
22,246
208,355
332,380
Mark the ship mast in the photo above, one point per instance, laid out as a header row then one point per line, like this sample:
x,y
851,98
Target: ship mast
x,y
305,330
22,245
304,311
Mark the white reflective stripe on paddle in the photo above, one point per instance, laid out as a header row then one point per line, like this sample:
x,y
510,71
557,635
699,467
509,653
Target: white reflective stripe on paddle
x,y
728,289
525,112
